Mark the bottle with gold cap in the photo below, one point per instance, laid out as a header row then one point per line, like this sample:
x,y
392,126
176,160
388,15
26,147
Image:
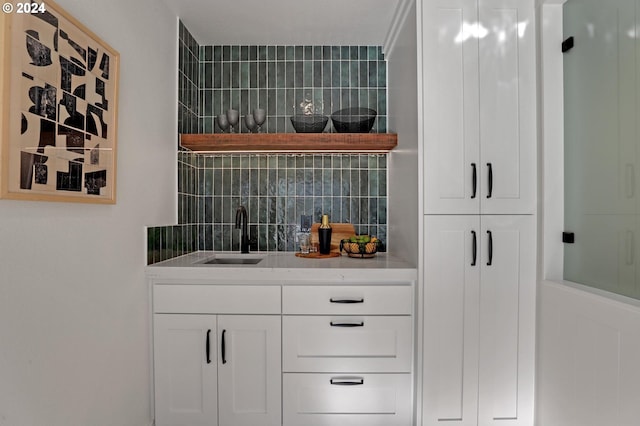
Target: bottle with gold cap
x,y
324,235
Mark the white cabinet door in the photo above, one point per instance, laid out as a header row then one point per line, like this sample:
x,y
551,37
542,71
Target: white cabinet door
x,y
250,373
451,120
451,312
507,321
185,378
231,377
479,96
507,83
479,320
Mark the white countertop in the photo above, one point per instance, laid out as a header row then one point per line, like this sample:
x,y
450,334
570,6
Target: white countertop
x,y
285,266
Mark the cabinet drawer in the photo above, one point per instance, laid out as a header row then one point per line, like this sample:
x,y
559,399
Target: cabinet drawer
x,y
346,344
347,300
216,299
346,400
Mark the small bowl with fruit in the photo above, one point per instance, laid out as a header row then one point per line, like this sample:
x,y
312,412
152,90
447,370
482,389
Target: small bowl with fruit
x,y
360,246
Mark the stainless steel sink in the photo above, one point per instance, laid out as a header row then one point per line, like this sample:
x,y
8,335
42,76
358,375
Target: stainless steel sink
x,y
234,261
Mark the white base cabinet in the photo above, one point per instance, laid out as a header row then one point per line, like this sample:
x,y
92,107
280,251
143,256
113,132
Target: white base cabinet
x,y
479,320
347,355
335,354
217,370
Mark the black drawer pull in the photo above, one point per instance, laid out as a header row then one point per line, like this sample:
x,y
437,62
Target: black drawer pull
x,y
474,180
208,346
332,300
474,248
351,381
347,324
490,191
223,348
490,234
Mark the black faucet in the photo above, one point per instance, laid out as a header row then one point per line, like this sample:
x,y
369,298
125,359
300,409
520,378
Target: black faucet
x,y
241,223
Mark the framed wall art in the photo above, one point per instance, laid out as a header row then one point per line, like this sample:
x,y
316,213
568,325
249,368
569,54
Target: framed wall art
x,y
58,122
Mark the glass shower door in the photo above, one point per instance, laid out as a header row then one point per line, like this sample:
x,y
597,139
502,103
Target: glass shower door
x,y
601,144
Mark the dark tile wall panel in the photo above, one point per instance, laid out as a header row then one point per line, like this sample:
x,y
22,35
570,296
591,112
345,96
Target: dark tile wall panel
x,y
188,81
277,189
281,78
187,188
166,242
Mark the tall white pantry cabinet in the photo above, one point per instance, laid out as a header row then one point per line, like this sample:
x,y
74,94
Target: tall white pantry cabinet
x,y
479,244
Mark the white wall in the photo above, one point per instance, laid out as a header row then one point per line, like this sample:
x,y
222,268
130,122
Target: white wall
x,y
74,326
588,352
402,95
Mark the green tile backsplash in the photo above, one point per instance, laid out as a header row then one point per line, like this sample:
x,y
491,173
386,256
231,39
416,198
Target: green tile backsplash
x,y
188,82
275,188
213,79
278,189
280,78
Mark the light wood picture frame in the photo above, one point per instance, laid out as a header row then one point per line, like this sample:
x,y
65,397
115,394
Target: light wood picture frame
x,y
59,99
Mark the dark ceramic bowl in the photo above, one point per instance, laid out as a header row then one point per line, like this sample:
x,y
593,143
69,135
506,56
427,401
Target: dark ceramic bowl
x,y
353,120
311,123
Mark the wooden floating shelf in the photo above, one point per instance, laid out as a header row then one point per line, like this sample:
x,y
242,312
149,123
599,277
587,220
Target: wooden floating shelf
x,y
290,142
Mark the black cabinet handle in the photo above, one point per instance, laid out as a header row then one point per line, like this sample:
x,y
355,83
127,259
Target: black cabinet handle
x,y
208,346
490,248
332,300
474,248
474,179
223,348
347,381
347,324
490,191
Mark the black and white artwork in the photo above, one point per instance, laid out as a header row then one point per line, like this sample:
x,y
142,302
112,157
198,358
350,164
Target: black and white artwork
x,y
59,136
